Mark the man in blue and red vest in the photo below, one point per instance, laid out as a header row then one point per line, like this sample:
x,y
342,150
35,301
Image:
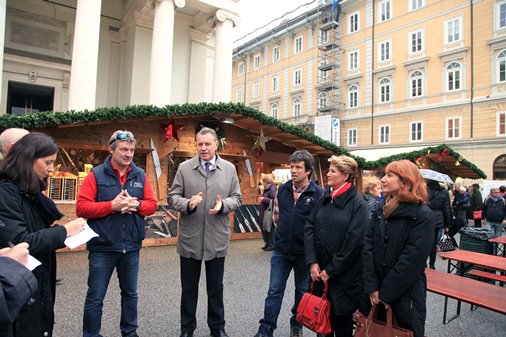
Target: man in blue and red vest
x,y
114,198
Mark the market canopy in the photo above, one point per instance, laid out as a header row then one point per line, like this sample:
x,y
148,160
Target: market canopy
x,y
440,158
247,118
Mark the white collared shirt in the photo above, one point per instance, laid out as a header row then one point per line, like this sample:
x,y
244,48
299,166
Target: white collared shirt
x,y
212,161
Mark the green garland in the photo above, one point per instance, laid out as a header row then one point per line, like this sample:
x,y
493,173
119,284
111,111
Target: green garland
x,y
48,119
414,155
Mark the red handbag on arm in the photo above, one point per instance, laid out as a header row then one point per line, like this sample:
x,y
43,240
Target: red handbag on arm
x,y
314,312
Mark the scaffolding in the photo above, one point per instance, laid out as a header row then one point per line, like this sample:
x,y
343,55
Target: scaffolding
x,y
329,59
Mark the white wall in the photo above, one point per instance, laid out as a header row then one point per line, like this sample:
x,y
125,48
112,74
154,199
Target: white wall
x,y
181,58
124,55
104,58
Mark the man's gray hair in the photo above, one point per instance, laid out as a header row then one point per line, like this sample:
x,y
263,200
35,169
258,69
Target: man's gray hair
x,y
119,136
9,137
205,130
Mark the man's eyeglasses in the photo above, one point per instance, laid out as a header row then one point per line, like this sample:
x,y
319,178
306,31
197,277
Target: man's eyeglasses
x,y
121,136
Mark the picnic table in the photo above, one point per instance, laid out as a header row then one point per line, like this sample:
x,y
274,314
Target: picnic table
x,y
467,290
458,258
464,289
500,244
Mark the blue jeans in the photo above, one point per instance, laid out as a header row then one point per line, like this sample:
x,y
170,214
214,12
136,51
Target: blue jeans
x,y
496,227
281,266
101,266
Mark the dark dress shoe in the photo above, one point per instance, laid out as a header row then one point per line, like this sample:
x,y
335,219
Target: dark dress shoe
x,y
187,334
219,333
268,249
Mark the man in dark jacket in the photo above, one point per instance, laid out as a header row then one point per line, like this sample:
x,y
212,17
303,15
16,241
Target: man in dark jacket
x,y
439,204
293,203
115,197
494,210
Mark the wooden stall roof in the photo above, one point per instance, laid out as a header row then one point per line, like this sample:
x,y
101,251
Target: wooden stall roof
x,y
441,158
284,137
244,117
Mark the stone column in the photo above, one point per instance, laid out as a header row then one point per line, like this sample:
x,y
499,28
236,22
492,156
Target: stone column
x,y
222,76
199,89
160,75
83,77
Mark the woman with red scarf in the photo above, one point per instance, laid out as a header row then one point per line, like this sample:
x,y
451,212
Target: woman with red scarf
x,y
334,236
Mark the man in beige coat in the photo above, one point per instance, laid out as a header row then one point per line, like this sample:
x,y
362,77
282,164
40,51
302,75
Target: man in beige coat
x,y
205,190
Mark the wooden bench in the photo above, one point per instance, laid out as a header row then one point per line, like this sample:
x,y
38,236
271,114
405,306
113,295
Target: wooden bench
x,y
467,290
486,275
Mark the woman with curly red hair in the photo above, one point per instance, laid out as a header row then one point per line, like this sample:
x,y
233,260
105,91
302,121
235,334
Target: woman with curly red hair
x,y
397,245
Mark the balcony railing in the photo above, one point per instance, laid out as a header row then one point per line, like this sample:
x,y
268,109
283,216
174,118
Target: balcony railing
x,y
298,120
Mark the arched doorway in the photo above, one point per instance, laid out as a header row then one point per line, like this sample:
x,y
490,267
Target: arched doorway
x,y
499,167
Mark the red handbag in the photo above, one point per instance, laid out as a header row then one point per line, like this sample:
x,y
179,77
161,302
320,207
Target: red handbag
x,y
477,215
371,326
314,312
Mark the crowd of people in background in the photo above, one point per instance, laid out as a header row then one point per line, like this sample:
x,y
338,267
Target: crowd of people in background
x,y
370,249
469,207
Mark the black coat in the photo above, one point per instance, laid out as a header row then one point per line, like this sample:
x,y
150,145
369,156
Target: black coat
x,y
439,203
494,210
476,199
395,255
371,201
334,237
17,286
24,221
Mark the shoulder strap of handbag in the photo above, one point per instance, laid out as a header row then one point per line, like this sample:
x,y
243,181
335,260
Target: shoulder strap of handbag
x,y
325,289
271,205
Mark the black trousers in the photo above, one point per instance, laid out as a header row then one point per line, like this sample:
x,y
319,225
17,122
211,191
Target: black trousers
x,y
433,252
342,326
190,276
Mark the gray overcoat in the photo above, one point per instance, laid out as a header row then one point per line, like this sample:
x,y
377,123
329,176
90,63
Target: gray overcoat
x,y
201,235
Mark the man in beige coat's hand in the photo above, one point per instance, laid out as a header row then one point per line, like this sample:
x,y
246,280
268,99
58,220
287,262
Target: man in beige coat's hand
x,y
204,191
197,199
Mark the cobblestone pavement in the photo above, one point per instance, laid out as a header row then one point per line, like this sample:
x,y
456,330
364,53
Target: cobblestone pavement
x,y
245,282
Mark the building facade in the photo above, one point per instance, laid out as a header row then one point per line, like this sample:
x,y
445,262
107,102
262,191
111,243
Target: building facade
x,y
275,72
411,73
83,54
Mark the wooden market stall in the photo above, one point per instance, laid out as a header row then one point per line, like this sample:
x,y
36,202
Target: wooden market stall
x,y
252,141
441,158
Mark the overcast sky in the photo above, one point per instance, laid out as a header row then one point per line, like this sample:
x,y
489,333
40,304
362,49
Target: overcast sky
x,y
257,13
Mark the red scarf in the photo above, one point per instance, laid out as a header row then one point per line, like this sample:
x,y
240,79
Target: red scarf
x,y
340,190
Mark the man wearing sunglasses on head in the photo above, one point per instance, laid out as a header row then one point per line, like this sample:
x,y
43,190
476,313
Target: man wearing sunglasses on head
x,y
115,197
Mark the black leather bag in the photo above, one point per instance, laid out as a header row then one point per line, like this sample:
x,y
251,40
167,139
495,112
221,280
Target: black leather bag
x,y
447,243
